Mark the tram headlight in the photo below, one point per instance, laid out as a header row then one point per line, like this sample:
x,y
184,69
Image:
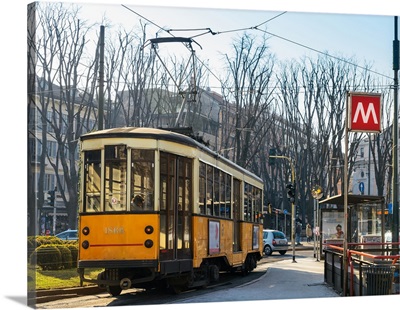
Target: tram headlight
x,y
148,229
86,231
85,244
148,243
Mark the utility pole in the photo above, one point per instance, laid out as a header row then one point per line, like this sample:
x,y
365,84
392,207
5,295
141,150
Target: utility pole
x,y
395,161
101,79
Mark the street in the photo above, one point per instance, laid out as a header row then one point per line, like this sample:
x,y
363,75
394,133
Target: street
x,y
276,277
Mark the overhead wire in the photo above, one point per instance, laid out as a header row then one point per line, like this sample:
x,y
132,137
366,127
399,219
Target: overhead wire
x,y
257,27
159,27
323,53
209,30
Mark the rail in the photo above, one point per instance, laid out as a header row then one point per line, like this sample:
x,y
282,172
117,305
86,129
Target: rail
x,y
369,274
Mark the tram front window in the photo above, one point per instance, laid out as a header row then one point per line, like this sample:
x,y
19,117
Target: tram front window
x,y
92,181
115,177
142,180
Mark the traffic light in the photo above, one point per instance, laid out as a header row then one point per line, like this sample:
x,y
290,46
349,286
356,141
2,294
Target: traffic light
x,y
271,160
291,191
50,197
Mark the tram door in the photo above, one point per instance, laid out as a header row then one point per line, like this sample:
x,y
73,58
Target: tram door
x,y
236,215
175,207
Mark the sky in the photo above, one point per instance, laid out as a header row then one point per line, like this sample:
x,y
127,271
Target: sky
x,y
334,28
291,34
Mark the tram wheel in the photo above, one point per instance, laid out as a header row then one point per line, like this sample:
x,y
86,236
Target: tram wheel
x,y
245,268
101,276
114,290
176,289
253,263
214,273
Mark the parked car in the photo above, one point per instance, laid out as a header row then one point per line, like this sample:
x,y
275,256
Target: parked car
x,y
69,234
274,241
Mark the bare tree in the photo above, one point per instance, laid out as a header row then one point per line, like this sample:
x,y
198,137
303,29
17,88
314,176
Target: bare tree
x,y
380,145
249,85
314,94
63,112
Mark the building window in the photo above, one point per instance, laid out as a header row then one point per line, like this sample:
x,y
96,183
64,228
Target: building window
x,y
51,149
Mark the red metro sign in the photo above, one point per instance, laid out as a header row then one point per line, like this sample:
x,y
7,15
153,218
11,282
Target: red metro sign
x,y
365,112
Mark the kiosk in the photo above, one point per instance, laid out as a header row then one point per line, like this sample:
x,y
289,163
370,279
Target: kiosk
x,y
366,219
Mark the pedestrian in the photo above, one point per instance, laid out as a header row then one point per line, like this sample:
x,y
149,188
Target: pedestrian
x,y
137,202
339,232
298,234
308,232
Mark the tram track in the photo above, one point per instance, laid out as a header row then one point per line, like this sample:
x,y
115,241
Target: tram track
x,y
43,296
47,298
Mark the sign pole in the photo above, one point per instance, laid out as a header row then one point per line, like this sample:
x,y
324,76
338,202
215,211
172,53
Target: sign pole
x,y
345,197
363,114
317,194
395,130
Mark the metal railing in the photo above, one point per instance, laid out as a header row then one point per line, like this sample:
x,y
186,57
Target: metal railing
x,y
372,269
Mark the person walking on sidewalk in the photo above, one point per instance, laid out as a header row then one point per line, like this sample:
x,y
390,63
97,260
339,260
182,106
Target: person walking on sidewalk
x,y
298,233
308,232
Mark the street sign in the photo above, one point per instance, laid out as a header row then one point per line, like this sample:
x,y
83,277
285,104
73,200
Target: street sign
x,y
364,112
361,187
390,208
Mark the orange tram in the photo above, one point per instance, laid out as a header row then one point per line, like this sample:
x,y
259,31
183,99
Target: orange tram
x,y
158,208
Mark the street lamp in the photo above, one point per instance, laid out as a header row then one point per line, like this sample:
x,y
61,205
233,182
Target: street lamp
x,y
317,194
221,151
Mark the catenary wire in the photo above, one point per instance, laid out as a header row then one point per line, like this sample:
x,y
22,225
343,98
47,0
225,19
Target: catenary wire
x,y
209,30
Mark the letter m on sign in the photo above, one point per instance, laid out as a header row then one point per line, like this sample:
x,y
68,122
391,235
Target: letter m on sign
x,y
364,112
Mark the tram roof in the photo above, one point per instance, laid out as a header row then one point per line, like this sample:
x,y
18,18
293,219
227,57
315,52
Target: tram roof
x,y
139,132
353,199
160,134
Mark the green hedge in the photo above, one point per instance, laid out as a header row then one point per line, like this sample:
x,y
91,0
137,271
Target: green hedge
x,y
47,256
73,247
52,253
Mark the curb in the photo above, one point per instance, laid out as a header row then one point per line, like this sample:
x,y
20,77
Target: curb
x,y
42,296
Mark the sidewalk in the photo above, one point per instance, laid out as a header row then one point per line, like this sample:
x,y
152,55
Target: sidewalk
x,y
304,246
283,280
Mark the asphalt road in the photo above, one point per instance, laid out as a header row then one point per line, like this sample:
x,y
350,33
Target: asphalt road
x,y
96,298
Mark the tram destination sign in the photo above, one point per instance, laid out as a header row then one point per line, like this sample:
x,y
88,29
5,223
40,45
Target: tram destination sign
x,y
364,112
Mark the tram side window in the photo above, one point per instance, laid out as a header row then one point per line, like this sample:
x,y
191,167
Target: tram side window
x,y
257,194
142,180
92,185
252,203
248,202
202,188
216,190
209,190
225,195
115,177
